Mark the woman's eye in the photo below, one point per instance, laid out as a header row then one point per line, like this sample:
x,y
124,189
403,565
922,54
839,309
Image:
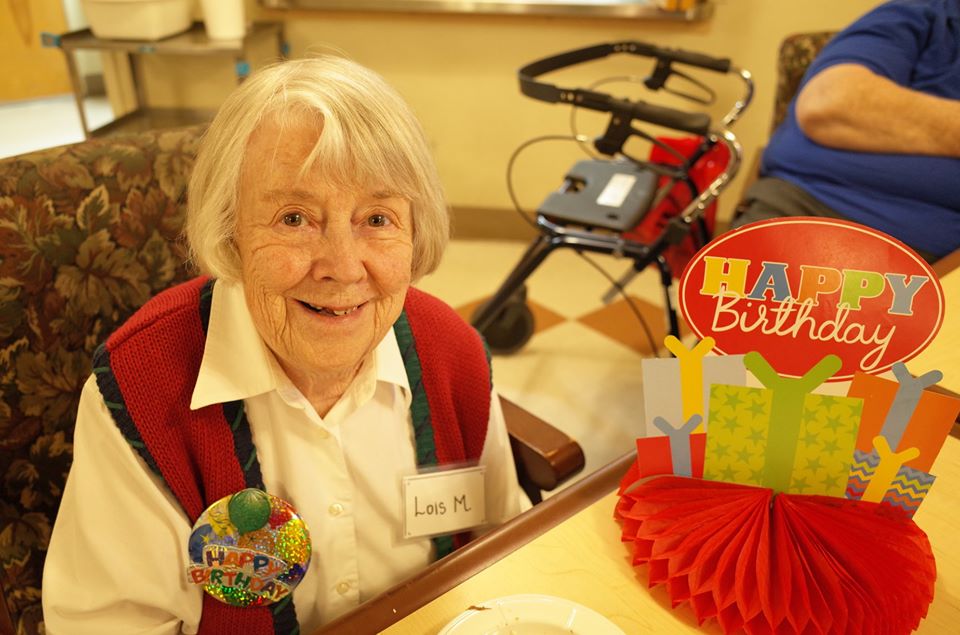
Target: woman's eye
x,y
378,220
292,219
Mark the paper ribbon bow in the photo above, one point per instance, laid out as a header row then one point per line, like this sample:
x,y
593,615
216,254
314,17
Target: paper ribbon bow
x,y
782,436
901,432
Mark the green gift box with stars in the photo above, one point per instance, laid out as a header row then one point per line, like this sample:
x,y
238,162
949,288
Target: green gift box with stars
x,y
782,436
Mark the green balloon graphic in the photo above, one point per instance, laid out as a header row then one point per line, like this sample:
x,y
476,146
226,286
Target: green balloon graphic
x,y
249,509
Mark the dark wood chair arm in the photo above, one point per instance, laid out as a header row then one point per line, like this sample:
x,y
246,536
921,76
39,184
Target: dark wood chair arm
x,y
545,457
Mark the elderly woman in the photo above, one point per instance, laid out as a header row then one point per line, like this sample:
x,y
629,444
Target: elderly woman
x,y
302,364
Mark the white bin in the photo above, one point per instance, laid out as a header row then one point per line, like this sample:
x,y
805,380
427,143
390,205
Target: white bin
x,y
138,19
224,19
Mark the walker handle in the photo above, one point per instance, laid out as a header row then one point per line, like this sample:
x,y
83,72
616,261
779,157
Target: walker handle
x,y
697,123
718,64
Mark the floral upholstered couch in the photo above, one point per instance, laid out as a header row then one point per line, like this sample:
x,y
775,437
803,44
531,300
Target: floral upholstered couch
x,y
796,53
87,234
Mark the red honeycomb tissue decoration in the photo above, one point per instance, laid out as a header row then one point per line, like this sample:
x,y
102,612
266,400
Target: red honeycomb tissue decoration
x,y
771,564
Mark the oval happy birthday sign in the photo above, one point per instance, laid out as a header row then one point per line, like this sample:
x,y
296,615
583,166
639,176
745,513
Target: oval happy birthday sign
x,y
796,289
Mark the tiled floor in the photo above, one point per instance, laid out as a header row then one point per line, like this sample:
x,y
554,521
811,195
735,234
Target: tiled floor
x,y
43,123
581,369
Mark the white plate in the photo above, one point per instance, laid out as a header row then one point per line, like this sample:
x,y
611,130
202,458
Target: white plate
x,y
530,615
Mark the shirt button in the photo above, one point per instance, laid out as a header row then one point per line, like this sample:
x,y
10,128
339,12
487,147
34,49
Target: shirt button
x,y
323,434
343,588
336,509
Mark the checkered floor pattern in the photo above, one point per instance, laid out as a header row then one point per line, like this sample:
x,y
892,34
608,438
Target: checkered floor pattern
x,y
580,370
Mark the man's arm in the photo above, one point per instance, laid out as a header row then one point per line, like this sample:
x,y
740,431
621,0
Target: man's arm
x,y
849,107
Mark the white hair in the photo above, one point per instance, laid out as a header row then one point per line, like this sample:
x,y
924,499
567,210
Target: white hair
x,y
370,136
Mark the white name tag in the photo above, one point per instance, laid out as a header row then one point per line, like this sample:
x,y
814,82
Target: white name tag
x,y
443,502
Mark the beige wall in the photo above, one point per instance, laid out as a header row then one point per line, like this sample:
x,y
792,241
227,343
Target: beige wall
x,y
459,73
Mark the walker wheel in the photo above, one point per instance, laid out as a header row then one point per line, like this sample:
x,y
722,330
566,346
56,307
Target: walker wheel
x,y
510,329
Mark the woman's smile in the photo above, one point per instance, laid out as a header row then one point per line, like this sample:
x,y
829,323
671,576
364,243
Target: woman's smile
x,y
332,311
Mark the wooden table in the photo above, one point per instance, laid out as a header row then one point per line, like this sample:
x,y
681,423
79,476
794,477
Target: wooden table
x,y
584,561
942,353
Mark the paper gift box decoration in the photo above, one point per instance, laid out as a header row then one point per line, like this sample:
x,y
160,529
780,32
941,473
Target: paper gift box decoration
x,y
782,437
902,430
679,451
677,389
675,392
761,556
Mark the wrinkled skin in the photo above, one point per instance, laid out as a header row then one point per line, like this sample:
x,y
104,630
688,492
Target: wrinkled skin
x,y
310,248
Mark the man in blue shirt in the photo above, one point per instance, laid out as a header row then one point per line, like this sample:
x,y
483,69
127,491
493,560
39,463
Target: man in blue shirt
x,y
873,135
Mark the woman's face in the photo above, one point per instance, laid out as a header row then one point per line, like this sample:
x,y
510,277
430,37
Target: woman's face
x,y
325,269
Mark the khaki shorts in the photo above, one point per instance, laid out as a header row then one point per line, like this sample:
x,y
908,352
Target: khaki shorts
x,y
775,198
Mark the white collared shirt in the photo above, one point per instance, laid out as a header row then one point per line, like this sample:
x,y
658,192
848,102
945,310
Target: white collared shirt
x,y
118,554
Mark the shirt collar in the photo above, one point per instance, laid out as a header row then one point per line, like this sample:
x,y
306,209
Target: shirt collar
x,y
237,364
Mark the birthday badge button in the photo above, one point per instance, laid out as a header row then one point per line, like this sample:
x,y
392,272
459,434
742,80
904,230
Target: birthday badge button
x,y
249,549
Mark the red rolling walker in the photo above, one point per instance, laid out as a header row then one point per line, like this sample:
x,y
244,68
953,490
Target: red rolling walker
x,y
655,211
